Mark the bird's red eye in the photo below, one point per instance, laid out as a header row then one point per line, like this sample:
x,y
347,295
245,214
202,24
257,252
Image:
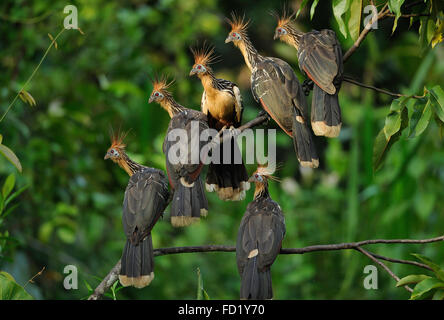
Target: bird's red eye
x,y
156,94
279,30
199,67
234,34
112,151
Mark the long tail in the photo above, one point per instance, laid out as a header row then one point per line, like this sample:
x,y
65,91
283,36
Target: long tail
x,y
325,113
303,143
230,181
255,284
137,263
189,203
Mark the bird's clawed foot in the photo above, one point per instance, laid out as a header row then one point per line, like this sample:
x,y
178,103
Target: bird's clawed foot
x,y
264,113
307,86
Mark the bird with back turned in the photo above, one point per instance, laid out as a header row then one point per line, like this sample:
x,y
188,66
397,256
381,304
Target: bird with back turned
x,y
259,239
146,198
320,58
189,202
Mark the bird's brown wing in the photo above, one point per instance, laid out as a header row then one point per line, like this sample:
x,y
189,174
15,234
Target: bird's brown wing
x,y
146,197
262,228
193,123
320,57
276,86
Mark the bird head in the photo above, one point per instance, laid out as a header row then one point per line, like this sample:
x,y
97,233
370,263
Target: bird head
x,y
238,28
160,89
283,27
117,149
203,57
263,174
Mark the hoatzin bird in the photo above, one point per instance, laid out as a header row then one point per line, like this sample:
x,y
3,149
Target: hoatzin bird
x,y
222,103
189,201
275,85
259,240
146,198
320,58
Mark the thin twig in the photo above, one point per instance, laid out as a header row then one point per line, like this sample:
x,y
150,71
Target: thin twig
x,y
390,272
368,27
413,263
112,276
393,94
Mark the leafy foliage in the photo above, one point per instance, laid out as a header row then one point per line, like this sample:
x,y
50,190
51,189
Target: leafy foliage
x,y
72,212
10,290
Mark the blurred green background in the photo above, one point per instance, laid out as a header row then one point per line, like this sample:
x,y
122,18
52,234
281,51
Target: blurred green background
x,y
71,212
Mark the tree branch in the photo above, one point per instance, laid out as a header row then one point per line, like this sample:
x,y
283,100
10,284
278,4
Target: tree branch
x,y
112,276
397,95
368,27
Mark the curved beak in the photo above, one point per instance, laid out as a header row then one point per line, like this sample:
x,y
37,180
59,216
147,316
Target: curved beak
x,y
193,72
106,156
276,35
151,99
228,39
251,179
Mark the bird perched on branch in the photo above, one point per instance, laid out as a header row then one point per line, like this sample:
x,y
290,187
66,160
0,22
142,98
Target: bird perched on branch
x,y
259,239
222,103
189,201
320,58
146,198
275,85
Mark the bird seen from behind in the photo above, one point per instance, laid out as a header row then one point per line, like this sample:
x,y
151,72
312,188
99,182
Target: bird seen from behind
x,y
320,58
146,198
189,201
259,239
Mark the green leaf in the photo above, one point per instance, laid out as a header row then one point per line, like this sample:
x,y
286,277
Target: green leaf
x,y
424,120
15,195
439,295
354,22
437,100
425,286
10,290
383,144
392,124
395,7
412,279
8,185
303,4
313,8
8,154
439,272
339,8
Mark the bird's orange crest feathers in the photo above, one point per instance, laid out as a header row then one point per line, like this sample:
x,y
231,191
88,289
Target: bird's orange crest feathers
x,y
204,55
161,83
285,19
238,23
118,139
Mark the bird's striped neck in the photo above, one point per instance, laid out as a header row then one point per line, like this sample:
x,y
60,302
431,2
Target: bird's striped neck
x,y
261,190
251,56
171,106
208,80
130,166
292,37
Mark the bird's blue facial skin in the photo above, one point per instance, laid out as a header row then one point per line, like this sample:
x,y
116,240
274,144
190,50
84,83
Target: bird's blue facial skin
x,y
233,36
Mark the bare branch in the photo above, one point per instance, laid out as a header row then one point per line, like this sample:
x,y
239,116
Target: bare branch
x,y
112,276
390,272
397,95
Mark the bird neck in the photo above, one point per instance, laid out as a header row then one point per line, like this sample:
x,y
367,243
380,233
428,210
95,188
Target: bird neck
x,y
293,37
261,190
208,80
171,106
130,166
251,56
